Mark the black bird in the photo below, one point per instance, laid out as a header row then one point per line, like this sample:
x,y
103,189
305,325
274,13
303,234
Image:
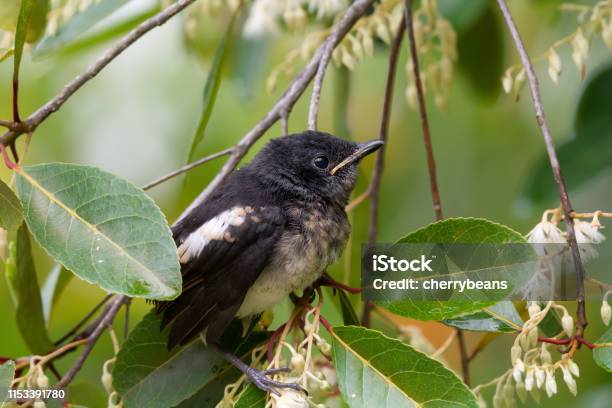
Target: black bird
x,y
272,228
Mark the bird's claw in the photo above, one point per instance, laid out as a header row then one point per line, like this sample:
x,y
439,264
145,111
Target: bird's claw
x,y
260,379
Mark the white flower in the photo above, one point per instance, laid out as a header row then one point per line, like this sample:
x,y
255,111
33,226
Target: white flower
x,y
518,369
606,312
545,233
539,376
567,322
529,379
588,233
262,18
545,356
533,309
569,380
551,384
573,367
290,398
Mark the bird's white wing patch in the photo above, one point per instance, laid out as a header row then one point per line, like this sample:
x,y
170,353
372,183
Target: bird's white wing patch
x,y
213,229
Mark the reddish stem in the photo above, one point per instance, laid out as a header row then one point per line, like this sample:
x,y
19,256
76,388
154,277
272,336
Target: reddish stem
x,y
7,161
554,341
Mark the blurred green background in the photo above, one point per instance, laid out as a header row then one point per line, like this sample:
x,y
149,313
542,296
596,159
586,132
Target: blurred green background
x,y
137,119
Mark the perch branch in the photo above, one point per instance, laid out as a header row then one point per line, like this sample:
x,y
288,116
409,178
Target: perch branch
x,y
554,162
286,101
31,123
186,168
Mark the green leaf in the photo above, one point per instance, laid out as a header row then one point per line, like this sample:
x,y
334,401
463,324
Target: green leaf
x,y
87,394
23,284
7,373
452,231
11,214
481,51
9,17
376,371
501,317
78,24
589,153
211,88
603,355
102,228
349,315
146,374
251,397
55,283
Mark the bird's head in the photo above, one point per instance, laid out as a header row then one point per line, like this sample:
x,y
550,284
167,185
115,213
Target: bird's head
x,y
313,165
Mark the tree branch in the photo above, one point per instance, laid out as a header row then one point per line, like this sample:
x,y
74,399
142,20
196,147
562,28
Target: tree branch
x,y
186,168
286,101
92,339
374,187
554,162
431,162
32,122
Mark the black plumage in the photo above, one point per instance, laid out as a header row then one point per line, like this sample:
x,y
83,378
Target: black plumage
x,y
271,228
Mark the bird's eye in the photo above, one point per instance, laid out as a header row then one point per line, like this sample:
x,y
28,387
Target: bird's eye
x,y
321,162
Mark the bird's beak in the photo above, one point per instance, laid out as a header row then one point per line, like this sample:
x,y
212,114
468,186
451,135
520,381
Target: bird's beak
x,y
363,149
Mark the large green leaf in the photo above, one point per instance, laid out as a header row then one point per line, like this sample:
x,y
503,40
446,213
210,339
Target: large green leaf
x,y
55,283
589,153
7,372
452,231
146,374
78,24
102,228
377,371
603,355
87,394
23,284
11,214
501,317
211,88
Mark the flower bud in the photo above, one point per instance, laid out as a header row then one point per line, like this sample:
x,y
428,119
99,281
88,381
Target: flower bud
x,y
545,356
290,398
568,324
515,353
507,81
518,370
533,309
297,362
521,391
529,379
551,384
532,338
606,312
569,380
573,367
39,404
498,401
606,34
539,377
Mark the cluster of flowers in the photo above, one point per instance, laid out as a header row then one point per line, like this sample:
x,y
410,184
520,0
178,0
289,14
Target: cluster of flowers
x,y
592,21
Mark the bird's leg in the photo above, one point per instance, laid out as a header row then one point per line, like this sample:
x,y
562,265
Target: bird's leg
x,y
260,377
326,280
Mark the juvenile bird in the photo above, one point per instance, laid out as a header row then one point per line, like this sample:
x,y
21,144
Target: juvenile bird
x,y
271,229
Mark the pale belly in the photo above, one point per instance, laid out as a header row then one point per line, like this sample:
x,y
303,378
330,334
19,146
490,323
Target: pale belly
x,y
300,259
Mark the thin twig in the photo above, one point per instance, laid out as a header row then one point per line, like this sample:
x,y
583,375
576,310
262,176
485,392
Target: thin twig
x,y
431,162
92,339
383,132
6,124
374,187
554,162
286,101
84,320
465,360
186,168
442,349
32,122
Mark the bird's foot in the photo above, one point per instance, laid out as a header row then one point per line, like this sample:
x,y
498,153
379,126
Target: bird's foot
x,y
260,379
326,280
